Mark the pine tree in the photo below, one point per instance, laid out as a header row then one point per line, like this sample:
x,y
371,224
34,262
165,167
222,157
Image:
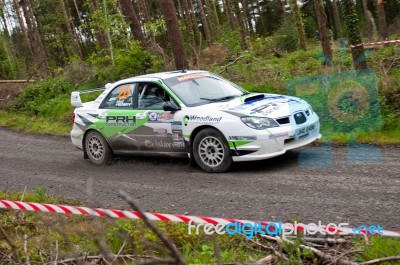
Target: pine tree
x,y
175,35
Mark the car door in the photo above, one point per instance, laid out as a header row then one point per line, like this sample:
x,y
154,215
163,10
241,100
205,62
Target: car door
x,y
161,132
119,118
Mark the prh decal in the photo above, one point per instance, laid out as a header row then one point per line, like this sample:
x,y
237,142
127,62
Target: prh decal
x,y
120,121
346,103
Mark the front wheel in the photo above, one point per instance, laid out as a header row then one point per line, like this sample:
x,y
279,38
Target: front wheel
x,y
97,149
211,151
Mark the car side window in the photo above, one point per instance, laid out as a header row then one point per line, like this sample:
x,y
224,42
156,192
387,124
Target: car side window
x,y
151,96
122,97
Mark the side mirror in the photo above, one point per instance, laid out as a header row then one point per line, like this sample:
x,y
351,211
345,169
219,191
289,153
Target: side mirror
x,y
168,106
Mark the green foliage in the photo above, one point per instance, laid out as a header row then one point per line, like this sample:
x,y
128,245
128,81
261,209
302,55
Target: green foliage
x,y
231,40
128,62
78,72
285,38
48,98
377,248
111,21
9,67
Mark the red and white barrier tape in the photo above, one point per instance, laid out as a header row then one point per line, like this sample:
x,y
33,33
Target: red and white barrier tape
x,y
98,212
375,43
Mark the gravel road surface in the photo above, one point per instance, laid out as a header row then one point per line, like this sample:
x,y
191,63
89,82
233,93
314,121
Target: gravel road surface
x,y
276,189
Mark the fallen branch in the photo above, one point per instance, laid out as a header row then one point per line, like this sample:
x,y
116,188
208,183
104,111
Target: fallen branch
x,y
232,63
98,257
381,260
15,81
168,243
325,257
28,262
324,240
268,260
281,255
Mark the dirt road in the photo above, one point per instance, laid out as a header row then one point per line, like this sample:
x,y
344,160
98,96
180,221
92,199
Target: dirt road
x,y
271,190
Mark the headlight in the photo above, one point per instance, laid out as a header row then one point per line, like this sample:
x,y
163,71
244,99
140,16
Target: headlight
x,y
259,123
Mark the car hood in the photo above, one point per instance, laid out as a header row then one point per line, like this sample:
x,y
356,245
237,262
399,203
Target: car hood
x,y
259,105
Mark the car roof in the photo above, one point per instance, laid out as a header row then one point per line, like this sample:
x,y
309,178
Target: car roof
x,y
164,75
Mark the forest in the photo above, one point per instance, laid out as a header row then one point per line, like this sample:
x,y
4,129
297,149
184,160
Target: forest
x,y
263,45
120,38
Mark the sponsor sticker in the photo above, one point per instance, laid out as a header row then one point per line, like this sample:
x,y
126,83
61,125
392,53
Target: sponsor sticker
x,y
160,132
243,138
201,119
164,144
265,109
279,135
153,116
121,103
176,125
166,117
191,76
140,116
120,121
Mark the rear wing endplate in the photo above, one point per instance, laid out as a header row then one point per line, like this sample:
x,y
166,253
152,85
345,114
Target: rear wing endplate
x,y
76,95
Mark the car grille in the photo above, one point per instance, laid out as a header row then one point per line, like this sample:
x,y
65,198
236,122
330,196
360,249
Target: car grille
x,y
300,118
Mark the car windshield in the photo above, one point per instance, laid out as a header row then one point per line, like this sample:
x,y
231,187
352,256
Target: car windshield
x,y
202,88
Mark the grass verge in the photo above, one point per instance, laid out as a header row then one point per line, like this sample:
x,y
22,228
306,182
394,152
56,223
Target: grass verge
x,y
33,124
32,237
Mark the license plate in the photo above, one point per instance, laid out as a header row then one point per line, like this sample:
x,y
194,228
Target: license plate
x,y
305,130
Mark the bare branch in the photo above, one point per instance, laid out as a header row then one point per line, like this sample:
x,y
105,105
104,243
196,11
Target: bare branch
x,y
324,240
217,252
56,258
268,260
166,240
26,249
232,63
318,253
381,260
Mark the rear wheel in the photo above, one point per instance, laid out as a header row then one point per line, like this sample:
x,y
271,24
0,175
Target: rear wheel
x,y
97,149
211,151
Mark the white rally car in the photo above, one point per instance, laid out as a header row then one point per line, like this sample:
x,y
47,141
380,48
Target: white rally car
x,y
192,113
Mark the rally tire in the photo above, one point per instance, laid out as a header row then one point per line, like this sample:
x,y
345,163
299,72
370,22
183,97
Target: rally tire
x,y
211,151
97,149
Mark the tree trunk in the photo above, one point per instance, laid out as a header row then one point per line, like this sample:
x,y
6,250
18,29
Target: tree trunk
x,y
246,13
371,28
40,54
336,17
382,20
98,31
354,36
188,22
196,32
22,26
130,14
145,11
241,23
228,12
70,28
205,23
212,20
299,24
175,35
325,41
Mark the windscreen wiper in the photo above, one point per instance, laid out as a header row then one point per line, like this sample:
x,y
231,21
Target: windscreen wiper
x,y
219,99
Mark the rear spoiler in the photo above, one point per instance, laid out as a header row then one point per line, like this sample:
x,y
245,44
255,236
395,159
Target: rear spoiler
x,y
76,95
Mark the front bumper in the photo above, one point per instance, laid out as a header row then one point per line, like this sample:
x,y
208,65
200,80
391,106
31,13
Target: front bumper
x,y
276,141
